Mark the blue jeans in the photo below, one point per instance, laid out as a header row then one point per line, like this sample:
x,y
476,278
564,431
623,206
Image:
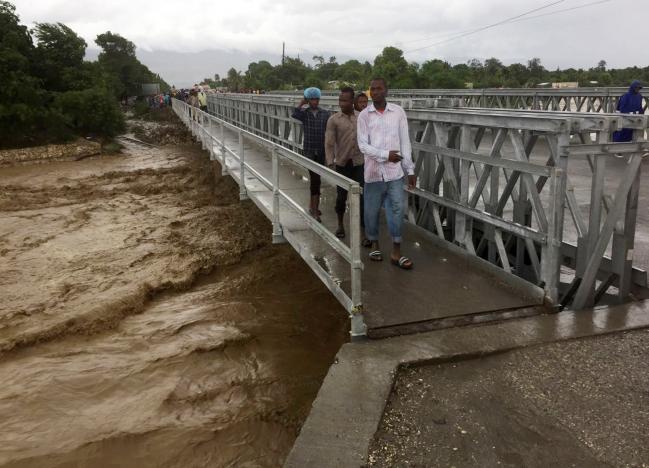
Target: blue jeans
x,y
374,194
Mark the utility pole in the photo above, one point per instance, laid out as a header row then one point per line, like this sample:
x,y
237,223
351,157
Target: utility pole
x,y
283,51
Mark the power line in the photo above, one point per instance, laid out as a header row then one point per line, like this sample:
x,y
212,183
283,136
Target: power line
x,y
561,11
452,35
484,28
458,35
514,19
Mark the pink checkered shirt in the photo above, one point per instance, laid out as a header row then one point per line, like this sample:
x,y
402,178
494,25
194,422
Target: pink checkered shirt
x,y
378,134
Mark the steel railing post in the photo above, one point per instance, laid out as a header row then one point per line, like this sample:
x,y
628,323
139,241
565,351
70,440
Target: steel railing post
x,y
358,327
278,236
243,194
551,252
211,137
203,132
224,164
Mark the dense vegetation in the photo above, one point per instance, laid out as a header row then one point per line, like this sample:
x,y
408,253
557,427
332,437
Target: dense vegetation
x,y
48,93
434,73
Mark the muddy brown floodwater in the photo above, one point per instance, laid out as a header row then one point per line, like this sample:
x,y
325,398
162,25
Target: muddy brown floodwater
x,y
146,320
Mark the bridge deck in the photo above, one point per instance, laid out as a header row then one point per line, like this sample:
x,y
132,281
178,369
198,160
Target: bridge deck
x,y
446,286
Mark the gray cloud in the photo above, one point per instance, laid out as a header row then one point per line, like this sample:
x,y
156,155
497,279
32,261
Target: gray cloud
x,y
233,33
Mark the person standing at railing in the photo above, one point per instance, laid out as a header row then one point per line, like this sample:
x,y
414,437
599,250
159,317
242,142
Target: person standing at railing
x,y
202,99
193,102
384,140
343,154
314,121
629,103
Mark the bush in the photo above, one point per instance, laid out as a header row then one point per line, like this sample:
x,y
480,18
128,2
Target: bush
x,y
141,107
90,111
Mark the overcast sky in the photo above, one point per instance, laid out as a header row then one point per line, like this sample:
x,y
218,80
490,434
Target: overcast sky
x,y
186,41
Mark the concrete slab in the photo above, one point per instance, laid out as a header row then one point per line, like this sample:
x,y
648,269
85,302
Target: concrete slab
x,y
350,404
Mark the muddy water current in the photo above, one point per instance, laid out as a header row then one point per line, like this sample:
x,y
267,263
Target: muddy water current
x,y
145,319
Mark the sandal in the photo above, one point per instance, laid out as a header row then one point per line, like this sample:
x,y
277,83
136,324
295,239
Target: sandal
x,y
376,256
340,233
366,242
404,263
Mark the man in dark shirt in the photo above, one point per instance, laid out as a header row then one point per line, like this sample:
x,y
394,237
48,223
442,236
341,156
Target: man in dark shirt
x,y
314,120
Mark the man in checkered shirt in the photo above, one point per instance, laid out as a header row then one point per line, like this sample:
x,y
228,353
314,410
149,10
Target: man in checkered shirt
x,y
314,120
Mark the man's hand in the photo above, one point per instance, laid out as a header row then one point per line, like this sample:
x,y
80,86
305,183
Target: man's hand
x,y
302,102
412,181
394,156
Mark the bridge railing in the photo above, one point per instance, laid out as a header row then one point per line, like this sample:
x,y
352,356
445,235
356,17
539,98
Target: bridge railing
x,y
496,182
211,131
487,147
601,99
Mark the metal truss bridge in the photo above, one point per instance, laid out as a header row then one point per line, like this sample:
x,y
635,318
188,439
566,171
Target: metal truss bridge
x,y
516,212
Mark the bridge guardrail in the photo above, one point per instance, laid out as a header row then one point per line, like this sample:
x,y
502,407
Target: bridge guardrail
x,y
204,126
599,99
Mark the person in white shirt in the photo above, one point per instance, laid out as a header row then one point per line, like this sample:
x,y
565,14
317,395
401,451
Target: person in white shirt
x,y
384,141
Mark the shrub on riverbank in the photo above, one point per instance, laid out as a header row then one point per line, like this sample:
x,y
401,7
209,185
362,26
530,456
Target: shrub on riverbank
x,y
92,111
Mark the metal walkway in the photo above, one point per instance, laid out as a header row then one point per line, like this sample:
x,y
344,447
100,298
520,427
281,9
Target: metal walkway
x,y
516,273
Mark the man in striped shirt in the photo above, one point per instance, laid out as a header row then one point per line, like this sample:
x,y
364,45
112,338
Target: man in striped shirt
x,y
384,141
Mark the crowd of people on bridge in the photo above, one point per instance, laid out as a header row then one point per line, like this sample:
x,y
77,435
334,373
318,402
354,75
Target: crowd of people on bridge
x,y
369,144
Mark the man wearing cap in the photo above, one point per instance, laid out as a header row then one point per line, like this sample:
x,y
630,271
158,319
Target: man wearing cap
x,y
629,103
314,121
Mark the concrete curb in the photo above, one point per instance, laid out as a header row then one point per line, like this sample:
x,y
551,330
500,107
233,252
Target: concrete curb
x,y
351,401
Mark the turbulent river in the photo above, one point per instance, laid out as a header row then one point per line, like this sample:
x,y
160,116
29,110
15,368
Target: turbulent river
x,y
146,320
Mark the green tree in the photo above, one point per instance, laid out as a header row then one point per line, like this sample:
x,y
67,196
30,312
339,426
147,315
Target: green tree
x,y
515,75
234,80
118,59
390,65
261,75
22,112
292,73
493,73
353,73
59,57
536,71
90,111
327,71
